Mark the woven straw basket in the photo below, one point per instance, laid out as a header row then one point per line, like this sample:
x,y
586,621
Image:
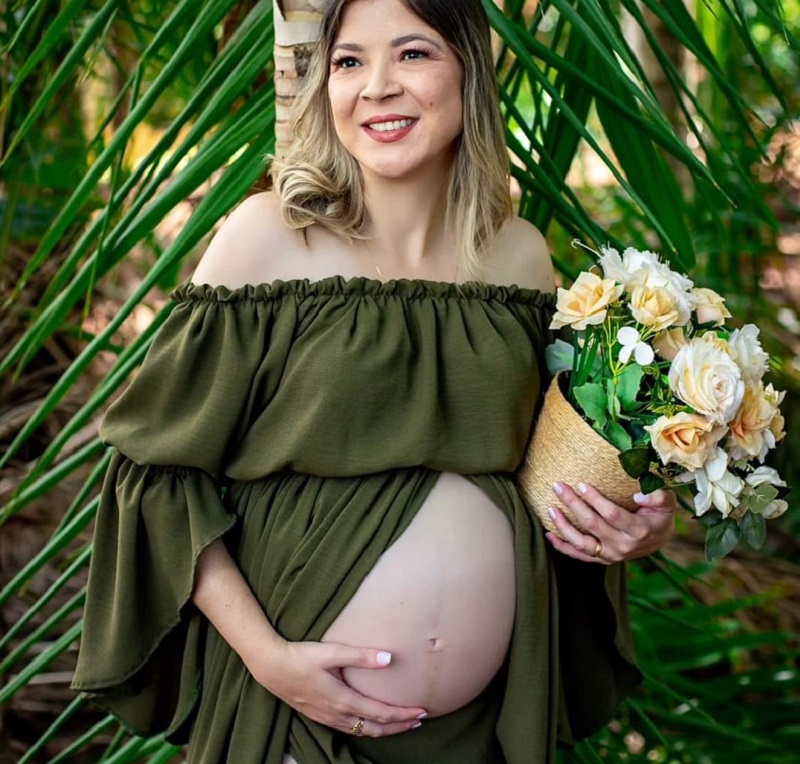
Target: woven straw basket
x,y
565,448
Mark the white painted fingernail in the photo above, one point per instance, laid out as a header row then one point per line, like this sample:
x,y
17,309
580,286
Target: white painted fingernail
x,y
384,659
582,487
558,488
639,498
423,715
552,513
416,726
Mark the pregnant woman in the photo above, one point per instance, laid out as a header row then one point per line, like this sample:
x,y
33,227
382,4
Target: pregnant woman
x,y
310,547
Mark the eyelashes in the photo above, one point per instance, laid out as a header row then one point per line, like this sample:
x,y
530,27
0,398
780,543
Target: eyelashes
x,y
342,62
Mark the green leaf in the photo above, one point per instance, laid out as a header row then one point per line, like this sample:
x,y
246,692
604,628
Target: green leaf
x,y
722,538
593,401
628,385
615,432
635,461
712,517
762,497
650,482
754,529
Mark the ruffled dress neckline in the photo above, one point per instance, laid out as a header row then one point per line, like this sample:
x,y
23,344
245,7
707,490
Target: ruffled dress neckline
x,y
363,286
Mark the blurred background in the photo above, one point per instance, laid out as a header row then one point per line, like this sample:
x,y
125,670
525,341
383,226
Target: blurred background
x,y
128,129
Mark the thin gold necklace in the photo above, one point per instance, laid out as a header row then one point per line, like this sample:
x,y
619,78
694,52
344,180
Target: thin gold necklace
x,y
380,273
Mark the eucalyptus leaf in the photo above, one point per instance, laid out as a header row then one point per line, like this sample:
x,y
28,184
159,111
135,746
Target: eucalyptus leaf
x,y
559,357
762,497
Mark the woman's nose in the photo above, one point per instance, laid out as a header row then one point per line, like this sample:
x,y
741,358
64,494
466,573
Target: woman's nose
x,y
380,83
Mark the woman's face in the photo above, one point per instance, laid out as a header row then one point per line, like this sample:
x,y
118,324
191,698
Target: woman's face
x,y
395,90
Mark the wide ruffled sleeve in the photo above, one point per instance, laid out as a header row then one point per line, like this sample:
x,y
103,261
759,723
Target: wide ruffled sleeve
x,y
214,363
597,658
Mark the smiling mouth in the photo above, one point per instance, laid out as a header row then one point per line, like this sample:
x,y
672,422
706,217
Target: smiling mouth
x,y
383,127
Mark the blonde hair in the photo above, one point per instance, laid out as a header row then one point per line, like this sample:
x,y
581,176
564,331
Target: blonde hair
x,y
318,181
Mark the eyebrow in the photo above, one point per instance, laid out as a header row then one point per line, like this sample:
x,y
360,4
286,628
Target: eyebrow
x,y
396,43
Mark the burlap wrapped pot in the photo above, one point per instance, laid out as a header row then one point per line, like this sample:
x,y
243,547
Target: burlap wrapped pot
x,y
565,448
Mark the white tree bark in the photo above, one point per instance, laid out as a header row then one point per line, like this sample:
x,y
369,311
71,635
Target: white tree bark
x,y
297,26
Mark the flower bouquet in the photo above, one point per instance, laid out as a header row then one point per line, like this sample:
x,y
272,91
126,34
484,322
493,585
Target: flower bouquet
x,y
654,391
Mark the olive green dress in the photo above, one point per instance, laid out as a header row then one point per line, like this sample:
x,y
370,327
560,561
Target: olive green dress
x,y
305,422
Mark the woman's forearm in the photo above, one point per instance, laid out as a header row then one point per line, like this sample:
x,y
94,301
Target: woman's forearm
x,y
224,597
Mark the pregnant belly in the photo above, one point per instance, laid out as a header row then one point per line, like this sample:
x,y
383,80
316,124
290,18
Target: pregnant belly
x,y
440,599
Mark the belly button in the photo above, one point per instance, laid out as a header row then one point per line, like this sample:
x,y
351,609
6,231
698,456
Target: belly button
x,y
436,645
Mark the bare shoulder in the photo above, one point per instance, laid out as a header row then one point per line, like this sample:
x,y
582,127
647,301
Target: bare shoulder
x,y
251,243
522,257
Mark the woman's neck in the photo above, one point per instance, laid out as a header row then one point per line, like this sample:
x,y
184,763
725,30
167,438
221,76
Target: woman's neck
x,y
407,219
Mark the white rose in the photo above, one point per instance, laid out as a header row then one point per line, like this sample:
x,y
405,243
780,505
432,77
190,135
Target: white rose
x,y
708,380
746,350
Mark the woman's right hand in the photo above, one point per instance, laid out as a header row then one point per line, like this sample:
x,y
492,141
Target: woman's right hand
x,y
308,677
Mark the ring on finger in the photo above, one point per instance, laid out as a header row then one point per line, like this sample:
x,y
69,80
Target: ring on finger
x,y
598,548
358,728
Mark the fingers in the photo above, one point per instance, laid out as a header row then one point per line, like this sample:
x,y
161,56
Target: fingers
x,y
581,542
375,729
662,500
597,515
356,704
566,548
341,656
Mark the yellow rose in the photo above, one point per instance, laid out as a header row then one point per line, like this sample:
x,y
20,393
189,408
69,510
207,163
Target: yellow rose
x,y
586,303
668,342
654,306
708,380
685,439
710,306
750,423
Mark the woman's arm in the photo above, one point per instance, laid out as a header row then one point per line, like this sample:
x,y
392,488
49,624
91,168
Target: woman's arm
x,y
305,675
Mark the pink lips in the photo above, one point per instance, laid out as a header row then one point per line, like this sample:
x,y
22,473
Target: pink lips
x,y
389,136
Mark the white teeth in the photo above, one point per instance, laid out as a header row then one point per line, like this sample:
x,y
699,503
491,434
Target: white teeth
x,y
382,127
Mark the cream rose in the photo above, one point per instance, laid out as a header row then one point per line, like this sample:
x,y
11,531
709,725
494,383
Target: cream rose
x,y
749,429
659,275
668,342
709,305
708,380
654,306
685,439
746,350
586,302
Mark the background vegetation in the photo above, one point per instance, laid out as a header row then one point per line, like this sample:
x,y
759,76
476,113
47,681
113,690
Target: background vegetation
x,y
129,129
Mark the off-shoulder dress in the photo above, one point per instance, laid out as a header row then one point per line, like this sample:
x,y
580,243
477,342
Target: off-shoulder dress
x,y
305,422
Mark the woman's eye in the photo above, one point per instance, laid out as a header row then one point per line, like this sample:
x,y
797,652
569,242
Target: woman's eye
x,y
416,53
344,62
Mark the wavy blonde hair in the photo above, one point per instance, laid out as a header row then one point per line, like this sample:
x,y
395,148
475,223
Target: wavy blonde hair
x,y
318,181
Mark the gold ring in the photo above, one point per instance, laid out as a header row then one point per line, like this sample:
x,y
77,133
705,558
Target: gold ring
x,y
358,728
598,549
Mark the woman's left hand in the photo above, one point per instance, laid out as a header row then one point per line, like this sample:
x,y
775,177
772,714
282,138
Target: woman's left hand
x,y
611,533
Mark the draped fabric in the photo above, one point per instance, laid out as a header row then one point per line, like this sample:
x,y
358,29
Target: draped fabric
x,y
305,423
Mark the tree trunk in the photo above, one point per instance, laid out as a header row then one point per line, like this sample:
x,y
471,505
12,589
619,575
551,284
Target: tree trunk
x,y
297,25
